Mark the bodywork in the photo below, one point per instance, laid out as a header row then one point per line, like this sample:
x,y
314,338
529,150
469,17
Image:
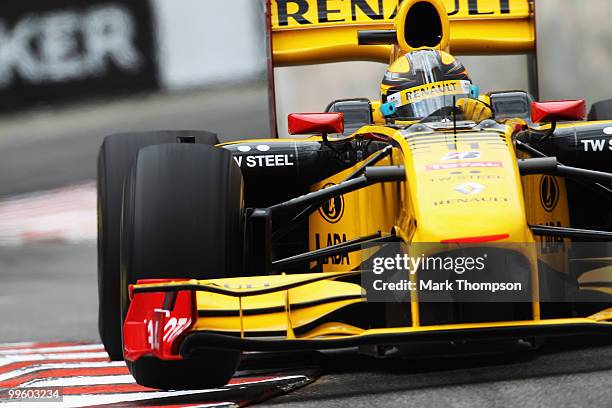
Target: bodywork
x,y
321,303
305,310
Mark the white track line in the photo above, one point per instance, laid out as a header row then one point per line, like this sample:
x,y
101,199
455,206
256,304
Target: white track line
x,y
18,344
8,359
70,401
100,399
65,214
80,381
122,379
56,349
54,366
27,351
274,379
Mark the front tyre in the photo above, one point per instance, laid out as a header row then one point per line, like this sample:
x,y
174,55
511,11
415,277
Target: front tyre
x,y
213,370
182,218
115,159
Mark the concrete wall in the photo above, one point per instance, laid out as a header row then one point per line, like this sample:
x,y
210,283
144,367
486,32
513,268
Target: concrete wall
x,y
206,43
201,44
575,49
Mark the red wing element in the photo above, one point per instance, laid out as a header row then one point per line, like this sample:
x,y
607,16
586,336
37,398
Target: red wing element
x,y
554,111
310,123
155,323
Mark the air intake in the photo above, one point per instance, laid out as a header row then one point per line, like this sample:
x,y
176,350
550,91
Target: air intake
x,y
419,24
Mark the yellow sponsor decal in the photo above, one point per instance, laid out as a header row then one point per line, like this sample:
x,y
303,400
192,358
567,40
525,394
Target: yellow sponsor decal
x,y
290,14
428,91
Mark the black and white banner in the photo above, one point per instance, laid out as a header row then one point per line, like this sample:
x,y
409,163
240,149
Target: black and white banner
x,y
56,50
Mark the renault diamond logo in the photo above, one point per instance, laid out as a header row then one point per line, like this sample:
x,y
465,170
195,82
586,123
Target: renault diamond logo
x,y
470,188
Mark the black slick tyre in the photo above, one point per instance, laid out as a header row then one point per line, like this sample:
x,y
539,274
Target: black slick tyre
x,y
115,158
182,218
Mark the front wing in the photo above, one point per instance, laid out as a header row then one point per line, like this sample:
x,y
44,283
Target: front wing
x,y
172,319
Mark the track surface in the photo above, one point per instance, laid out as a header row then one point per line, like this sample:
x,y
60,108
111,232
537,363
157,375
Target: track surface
x,y
81,375
48,289
562,374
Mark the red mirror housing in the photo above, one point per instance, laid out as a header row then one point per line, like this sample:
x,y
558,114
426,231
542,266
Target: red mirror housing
x,y
554,111
309,123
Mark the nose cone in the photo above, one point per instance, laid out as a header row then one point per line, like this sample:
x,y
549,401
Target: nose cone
x,y
471,191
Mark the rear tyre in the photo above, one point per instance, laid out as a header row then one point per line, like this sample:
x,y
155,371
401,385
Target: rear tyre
x,y
116,156
601,110
182,218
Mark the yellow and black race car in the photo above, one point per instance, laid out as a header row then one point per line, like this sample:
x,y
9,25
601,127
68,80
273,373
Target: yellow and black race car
x,y
435,214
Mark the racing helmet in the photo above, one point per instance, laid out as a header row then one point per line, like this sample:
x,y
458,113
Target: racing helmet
x,y
422,82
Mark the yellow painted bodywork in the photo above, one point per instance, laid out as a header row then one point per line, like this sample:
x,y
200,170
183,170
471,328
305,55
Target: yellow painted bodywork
x,y
428,198
366,212
252,315
329,34
275,320
425,208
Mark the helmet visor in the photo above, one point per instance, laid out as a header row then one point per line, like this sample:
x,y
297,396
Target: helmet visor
x,y
420,102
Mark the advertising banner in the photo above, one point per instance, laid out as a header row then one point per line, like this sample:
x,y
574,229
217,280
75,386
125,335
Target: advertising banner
x,y
57,50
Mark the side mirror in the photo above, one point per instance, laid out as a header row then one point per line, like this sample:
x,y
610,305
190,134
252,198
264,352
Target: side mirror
x,y
357,113
511,104
311,123
554,111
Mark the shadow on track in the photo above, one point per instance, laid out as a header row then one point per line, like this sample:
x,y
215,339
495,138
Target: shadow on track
x,y
350,375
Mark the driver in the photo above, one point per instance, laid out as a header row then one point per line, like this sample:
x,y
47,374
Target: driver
x,y
421,84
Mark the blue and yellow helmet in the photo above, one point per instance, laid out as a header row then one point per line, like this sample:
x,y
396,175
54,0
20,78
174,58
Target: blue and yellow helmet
x,y
422,82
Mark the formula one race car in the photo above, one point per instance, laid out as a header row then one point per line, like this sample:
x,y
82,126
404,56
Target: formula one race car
x,y
207,250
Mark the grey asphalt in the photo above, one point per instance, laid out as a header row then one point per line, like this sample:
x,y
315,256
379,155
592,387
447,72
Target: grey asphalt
x,y
48,293
48,290
568,373
50,148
